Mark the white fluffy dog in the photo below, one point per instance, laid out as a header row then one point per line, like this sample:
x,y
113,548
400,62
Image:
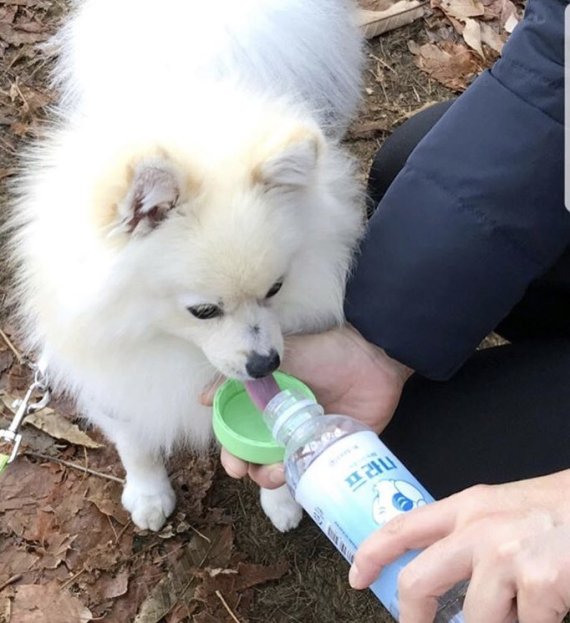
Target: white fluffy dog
x,y
190,208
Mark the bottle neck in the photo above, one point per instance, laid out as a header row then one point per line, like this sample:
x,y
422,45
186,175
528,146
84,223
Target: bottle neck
x,y
287,411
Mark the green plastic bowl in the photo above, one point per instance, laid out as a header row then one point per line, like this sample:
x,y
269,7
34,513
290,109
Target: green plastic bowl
x,y
238,424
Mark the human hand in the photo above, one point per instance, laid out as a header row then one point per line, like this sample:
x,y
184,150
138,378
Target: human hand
x,y
349,376
512,541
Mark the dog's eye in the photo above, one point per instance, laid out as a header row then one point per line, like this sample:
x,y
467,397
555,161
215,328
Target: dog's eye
x,y
205,312
274,289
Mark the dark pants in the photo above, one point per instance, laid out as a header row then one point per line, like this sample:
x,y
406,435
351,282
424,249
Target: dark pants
x,y
506,414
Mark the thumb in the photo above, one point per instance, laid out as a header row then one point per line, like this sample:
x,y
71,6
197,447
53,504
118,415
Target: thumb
x,y
208,392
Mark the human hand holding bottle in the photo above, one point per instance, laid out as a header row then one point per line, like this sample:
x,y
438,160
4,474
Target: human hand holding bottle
x,y
511,540
347,374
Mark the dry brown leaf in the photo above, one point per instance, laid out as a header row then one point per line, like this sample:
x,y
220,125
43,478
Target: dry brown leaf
x,y
216,552
16,560
37,4
376,5
6,355
511,23
193,475
472,35
158,603
6,606
250,575
47,602
501,10
367,129
116,586
97,545
56,552
59,427
460,9
107,498
415,111
103,556
107,586
25,485
402,13
177,586
490,37
18,378
15,36
7,14
452,64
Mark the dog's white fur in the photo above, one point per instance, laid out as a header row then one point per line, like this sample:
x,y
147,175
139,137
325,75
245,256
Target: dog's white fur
x,y
195,162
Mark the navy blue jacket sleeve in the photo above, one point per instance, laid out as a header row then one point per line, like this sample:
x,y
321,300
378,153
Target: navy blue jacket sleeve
x,y
476,214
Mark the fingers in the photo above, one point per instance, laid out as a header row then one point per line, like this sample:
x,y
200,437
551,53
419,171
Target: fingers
x,y
236,468
543,577
491,596
266,476
533,608
207,396
432,574
414,530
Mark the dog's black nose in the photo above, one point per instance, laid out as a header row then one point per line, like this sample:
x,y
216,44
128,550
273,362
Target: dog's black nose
x,y
258,366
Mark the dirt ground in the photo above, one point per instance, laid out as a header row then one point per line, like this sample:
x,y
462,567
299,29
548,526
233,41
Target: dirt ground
x,y
68,552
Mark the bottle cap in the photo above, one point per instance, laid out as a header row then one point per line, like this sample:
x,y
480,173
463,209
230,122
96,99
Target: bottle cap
x,y
238,424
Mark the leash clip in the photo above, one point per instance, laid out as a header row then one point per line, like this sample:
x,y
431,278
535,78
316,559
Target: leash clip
x,y
23,407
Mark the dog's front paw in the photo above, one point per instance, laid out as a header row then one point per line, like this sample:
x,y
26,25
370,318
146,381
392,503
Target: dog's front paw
x,y
149,508
284,513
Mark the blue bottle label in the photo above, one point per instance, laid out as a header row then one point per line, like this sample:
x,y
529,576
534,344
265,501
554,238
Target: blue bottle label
x,y
354,488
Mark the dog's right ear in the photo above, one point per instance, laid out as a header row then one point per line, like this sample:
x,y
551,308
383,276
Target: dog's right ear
x,y
292,163
154,189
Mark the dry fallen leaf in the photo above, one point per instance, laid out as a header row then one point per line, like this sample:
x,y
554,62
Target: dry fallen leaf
x,y
402,13
177,586
18,35
367,129
47,602
6,355
472,35
452,64
511,23
460,9
501,10
56,551
37,4
16,559
59,427
490,37
376,5
107,498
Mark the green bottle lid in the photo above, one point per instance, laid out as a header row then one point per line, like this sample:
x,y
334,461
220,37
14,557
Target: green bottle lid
x,y
238,424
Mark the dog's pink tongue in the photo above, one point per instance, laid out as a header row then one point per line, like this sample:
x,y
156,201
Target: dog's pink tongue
x,y
261,391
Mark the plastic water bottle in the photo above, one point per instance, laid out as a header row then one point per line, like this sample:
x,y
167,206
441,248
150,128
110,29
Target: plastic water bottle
x,y
350,484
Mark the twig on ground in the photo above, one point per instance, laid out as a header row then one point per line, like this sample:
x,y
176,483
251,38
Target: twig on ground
x,y
225,604
382,62
80,468
9,581
11,346
71,579
122,531
200,534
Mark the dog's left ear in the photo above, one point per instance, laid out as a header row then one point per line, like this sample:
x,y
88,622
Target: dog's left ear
x,y
153,191
294,164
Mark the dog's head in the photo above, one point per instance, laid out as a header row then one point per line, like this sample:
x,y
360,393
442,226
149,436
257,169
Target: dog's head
x,y
230,248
